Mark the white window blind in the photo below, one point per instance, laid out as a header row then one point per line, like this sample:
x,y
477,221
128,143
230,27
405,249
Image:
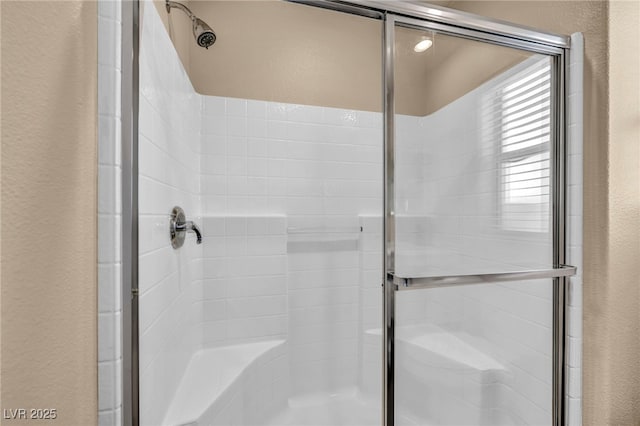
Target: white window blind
x,y
521,125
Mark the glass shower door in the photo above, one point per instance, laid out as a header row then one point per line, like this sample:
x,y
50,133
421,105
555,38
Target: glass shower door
x,y
473,250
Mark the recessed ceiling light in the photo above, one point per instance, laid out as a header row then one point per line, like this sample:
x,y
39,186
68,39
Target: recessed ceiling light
x,y
423,45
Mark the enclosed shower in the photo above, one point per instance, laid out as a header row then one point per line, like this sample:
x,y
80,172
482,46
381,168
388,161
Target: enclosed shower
x,y
348,213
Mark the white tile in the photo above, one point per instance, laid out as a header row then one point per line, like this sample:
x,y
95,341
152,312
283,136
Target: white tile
x,y
214,289
277,225
109,44
254,327
215,332
109,9
236,107
214,125
277,129
237,166
108,91
257,167
266,245
257,128
214,184
237,146
236,226
276,111
257,147
214,106
107,418
157,300
256,265
256,109
108,288
323,296
107,344
215,310
107,139
305,114
214,165
237,126
256,306
256,286
156,266
575,383
236,246
236,185
106,386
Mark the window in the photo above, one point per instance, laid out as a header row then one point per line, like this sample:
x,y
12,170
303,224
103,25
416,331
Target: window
x,y
522,124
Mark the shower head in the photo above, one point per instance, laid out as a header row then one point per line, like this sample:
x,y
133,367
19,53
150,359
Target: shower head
x,y
202,32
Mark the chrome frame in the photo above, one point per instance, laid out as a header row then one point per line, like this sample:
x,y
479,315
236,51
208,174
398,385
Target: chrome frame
x,y
420,283
443,20
559,215
556,47
129,111
389,225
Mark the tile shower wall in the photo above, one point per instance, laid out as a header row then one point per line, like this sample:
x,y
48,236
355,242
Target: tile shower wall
x,y
303,161
318,168
170,282
109,215
574,232
245,285
371,271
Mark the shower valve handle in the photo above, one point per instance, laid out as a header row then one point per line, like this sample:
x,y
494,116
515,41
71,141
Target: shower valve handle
x,y
189,226
179,226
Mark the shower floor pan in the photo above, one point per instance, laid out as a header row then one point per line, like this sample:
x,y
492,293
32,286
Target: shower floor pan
x,y
442,378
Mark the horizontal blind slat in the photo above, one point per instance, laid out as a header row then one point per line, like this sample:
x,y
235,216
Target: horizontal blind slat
x,y
520,120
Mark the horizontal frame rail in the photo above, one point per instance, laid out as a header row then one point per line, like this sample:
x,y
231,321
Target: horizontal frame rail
x,y
416,283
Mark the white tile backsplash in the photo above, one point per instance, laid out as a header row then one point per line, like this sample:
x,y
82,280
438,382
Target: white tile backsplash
x,y
171,310
109,214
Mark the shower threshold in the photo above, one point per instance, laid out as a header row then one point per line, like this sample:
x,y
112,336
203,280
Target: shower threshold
x,y
346,407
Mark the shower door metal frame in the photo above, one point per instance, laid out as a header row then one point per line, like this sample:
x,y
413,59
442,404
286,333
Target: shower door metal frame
x,y
130,99
525,39
440,19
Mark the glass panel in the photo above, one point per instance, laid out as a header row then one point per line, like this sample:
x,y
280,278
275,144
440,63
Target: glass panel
x,y
472,192
277,156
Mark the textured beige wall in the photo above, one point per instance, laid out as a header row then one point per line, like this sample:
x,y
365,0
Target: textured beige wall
x,y
284,52
49,237
271,50
287,52
612,322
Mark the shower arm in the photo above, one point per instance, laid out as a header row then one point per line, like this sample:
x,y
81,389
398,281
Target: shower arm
x,y
171,4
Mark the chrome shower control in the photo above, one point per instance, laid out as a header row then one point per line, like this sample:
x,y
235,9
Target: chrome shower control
x,y
179,226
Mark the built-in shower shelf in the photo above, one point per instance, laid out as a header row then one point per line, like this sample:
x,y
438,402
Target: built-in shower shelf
x,y
326,230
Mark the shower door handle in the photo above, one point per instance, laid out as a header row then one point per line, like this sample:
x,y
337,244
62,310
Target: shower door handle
x,y
179,226
414,283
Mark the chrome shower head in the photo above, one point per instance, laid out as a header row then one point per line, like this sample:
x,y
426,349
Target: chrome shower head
x,y
202,32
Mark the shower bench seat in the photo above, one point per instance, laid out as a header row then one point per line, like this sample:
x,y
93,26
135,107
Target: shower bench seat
x,y
445,377
221,383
